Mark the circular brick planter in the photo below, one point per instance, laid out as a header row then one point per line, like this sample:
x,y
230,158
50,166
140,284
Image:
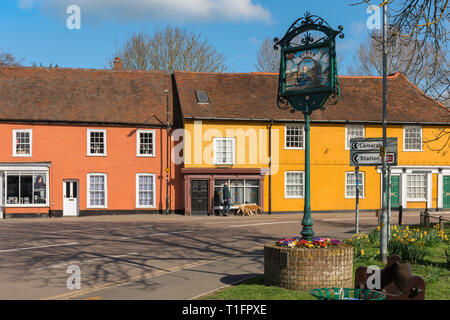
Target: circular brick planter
x,y
308,268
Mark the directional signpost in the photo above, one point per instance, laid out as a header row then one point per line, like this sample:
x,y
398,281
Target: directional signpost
x,y
370,152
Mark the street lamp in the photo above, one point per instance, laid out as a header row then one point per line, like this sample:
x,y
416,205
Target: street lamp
x,y
308,77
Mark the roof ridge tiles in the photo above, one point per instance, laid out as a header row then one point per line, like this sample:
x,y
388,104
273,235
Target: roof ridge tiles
x,y
56,69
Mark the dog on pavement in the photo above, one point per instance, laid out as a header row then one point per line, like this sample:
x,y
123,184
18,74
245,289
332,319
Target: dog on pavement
x,y
248,209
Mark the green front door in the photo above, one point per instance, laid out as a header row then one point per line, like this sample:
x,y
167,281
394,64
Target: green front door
x,y
395,191
446,197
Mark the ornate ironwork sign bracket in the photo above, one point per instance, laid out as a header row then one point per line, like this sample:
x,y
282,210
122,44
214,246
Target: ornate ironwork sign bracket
x,y
308,68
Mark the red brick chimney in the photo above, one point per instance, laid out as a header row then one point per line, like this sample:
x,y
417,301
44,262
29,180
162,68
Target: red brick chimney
x,y
118,64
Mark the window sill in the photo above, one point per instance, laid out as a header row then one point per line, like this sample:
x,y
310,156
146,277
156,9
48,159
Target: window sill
x,y
22,155
9,205
96,155
146,155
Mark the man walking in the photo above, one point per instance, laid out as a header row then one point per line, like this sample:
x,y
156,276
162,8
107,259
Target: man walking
x,y
226,199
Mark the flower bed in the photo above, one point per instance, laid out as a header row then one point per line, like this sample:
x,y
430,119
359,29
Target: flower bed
x,y
298,242
412,244
301,265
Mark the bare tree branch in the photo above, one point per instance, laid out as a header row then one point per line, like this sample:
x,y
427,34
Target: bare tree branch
x,y
7,59
170,50
268,59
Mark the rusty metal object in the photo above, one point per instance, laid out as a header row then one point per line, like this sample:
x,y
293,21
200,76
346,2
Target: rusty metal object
x,y
397,280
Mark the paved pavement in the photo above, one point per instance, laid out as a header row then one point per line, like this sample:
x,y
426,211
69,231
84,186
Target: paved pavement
x,y
147,256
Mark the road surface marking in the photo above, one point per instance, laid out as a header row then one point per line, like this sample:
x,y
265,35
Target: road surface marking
x,y
156,234
97,229
39,247
94,298
262,223
63,264
231,222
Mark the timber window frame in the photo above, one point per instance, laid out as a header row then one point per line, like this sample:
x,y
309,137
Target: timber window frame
x,y
416,187
97,190
22,142
224,154
294,136
294,184
96,142
145,143
354,131
350,185
145,190
412,138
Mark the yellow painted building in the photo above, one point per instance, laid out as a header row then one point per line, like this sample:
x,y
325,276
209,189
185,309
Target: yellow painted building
x,y
233,131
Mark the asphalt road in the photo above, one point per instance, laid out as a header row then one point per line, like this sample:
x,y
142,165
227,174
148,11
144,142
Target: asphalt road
x,y
147,256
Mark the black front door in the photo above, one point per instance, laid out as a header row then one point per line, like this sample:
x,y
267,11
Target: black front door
x,y
199,196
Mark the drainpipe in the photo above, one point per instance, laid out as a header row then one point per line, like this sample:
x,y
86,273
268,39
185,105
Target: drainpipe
x,y
167,152
270,166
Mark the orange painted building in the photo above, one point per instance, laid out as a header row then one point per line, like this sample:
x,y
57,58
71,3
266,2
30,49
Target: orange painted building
x,y
80,142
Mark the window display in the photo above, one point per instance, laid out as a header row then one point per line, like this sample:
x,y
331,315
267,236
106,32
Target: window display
x,y
242,191
26,188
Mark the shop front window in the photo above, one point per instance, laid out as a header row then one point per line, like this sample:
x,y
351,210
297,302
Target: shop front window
x,y
241,191
26,189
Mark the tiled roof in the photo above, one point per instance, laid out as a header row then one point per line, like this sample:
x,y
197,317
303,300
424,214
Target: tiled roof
x,y
84,96
253,96
137,97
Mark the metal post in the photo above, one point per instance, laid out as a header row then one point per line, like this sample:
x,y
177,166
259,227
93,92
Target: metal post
x,y
307,232
389,203
357,200
270,167
427,219
383,226
400,216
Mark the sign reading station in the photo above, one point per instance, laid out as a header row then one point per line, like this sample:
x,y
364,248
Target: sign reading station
x,y
368,152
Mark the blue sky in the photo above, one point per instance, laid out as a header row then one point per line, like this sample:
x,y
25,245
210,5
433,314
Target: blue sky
x,y
36,31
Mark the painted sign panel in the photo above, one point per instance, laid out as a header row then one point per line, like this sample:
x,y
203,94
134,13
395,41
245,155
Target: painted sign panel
x,y
308,69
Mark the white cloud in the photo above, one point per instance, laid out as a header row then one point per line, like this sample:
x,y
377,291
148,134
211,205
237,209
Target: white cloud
x,y
168,10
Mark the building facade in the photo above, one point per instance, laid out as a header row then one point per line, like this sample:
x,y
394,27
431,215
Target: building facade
x,y
237,134
90,142
84,142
